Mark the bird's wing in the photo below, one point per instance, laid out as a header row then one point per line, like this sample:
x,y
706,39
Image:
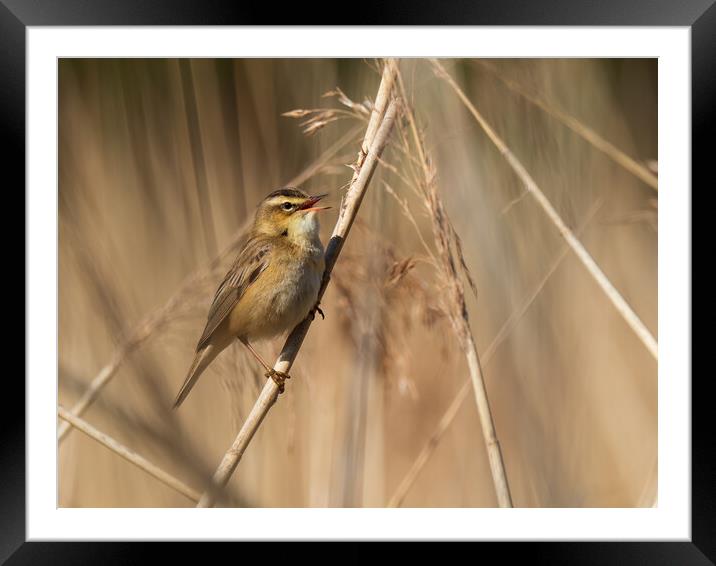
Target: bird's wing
x,y
252,260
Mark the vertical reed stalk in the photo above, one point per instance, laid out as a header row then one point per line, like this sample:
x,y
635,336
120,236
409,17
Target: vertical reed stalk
x,y
451,412
450,257
197,154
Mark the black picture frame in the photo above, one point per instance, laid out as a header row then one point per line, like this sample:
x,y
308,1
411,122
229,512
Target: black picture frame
x,y
16,15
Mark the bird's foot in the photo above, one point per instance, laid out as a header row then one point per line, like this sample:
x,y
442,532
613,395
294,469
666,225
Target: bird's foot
x,y
314,310
279,378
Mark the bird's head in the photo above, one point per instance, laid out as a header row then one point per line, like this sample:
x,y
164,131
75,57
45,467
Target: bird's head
x,y
289,212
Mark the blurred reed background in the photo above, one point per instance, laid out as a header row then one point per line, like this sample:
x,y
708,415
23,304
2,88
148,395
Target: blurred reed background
x,y
162,162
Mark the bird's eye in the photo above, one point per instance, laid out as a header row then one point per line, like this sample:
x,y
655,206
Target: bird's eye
x,y
287,206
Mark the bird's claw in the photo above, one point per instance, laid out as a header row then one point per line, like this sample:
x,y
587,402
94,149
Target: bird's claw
x,y
314,310
278,377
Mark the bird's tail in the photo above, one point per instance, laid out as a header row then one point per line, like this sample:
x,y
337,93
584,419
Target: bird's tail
x,y
201,360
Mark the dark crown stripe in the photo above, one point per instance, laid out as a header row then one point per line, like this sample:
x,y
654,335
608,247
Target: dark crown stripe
x,y
287,192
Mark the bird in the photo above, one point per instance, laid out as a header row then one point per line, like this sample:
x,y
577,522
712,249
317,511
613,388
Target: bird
x,y
272,285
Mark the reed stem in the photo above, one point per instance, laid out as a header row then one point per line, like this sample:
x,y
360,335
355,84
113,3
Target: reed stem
x,y
450,257
586,133
129,455
155,321
451,412
624,309
348,211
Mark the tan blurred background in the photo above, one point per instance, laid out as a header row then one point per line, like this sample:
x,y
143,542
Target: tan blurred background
x,y
163,161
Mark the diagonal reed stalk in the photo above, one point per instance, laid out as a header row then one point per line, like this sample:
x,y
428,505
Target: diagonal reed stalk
x,y
586,133
374,142
450,260
153,323
624,309
129,455
157,320
449,415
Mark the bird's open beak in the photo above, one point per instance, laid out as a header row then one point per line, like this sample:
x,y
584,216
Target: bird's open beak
x,y
308,205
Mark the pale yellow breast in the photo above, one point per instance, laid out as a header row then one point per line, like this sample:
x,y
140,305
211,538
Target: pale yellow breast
x,y
280,298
